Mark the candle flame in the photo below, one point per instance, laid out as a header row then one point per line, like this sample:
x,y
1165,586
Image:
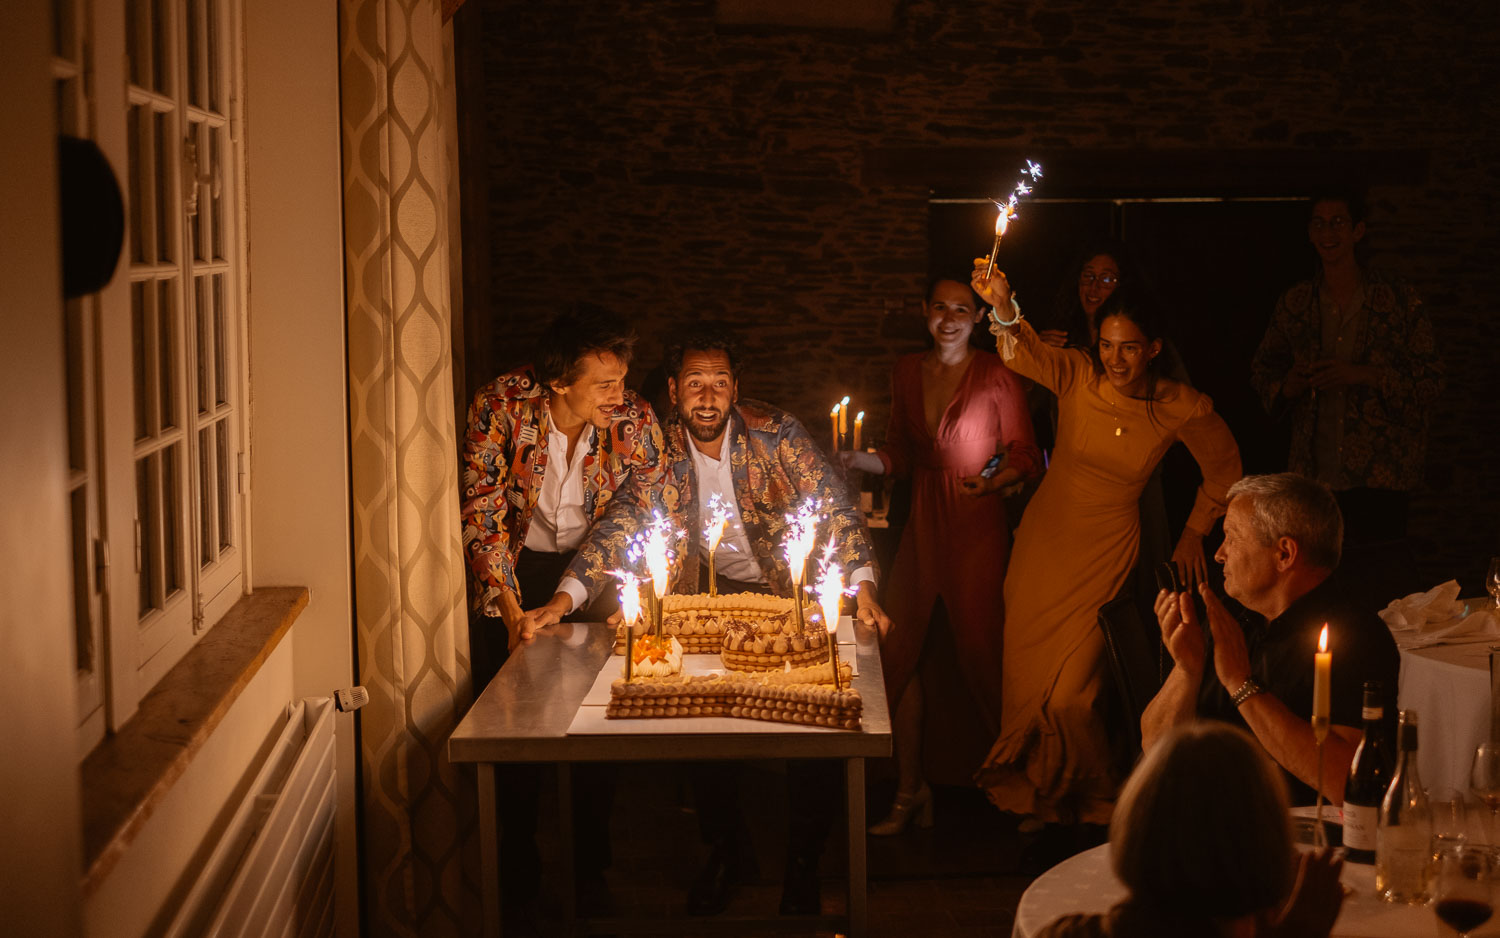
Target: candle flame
x,y
859,417
1322,639
835,411
845,401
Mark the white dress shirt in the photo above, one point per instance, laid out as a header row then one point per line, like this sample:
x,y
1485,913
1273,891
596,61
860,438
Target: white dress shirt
x,y
558,522
733,558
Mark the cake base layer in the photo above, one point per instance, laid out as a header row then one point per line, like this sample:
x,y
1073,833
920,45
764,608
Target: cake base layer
x,y
796,696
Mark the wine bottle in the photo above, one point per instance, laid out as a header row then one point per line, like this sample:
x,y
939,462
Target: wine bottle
x,y
1369,776
1403,836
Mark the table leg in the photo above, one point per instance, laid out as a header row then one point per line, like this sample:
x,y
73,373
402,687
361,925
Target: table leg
x,y
565,828
489,850
854,775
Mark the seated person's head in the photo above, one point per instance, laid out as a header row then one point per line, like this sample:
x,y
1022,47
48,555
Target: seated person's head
x,y
703,367
1202,830
581,360
1278,526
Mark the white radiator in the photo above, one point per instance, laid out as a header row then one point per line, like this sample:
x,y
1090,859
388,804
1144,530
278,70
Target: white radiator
x,y
272,871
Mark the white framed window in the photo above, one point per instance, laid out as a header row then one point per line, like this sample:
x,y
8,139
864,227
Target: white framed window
x,y
157,371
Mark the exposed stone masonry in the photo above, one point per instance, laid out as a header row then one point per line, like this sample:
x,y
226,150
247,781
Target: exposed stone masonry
x,y
643,157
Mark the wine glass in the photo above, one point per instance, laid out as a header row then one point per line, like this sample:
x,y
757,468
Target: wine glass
x,y
1492,581
1464,878
1484,781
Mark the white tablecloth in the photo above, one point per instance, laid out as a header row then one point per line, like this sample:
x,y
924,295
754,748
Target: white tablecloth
x,y
1449,687
1086,884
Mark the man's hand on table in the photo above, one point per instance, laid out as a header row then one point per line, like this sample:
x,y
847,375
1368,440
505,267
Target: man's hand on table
x,y
868,611
542,616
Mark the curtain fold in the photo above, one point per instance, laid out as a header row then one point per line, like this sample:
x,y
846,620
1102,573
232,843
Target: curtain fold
x,y
418,810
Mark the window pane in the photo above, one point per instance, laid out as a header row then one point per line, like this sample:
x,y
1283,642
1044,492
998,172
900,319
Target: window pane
x,y
166,163
206,491
171,520
160,42
138,355
139,187
83,633
216,169
203,318
194,54
227,470
196,223
145,516
136,27
215,86
77,414
221,344
166,357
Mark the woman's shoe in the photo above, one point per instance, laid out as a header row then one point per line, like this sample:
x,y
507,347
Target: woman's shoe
x,y
918,803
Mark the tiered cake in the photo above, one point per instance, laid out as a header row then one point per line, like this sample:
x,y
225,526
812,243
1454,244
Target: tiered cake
x,y
775,670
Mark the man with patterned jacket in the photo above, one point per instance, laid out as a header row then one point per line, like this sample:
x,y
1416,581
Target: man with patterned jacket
x,y
762,465
550,448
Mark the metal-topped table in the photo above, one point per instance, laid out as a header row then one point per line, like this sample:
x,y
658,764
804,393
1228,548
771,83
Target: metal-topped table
x,y
524,715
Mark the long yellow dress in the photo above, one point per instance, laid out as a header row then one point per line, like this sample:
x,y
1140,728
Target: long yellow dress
x,y
1074,549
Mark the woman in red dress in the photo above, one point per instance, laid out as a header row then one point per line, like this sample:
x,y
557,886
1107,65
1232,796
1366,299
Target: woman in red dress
x,y
953,407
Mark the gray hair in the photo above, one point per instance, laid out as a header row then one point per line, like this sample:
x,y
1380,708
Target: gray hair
x,y
1286,504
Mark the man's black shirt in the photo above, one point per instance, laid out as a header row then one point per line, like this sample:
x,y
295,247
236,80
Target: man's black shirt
x,y
1281,662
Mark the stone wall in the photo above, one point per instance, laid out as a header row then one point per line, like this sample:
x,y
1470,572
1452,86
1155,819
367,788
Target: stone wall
x,y
642,155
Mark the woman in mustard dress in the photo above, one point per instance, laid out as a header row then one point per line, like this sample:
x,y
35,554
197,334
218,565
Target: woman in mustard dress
x,y
1076,545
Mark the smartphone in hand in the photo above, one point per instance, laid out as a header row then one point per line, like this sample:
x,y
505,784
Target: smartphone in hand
x,y
991,467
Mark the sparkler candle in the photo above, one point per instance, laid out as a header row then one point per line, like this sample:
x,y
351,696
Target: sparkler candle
x,y
630,610
859,423
801,532
1007,210
656,563
713,533
833,418
830,593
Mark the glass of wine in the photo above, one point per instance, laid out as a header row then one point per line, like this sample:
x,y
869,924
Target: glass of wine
x,y
1484,781
1465,875
1492,581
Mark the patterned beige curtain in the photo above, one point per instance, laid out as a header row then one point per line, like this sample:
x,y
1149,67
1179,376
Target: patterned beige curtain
x,y
418,810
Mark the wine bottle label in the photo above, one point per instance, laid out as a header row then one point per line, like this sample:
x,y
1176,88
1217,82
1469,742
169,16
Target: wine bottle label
x,y
1372,713
1359,826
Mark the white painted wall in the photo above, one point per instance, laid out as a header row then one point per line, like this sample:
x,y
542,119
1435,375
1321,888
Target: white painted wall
x,y
40,833
299,417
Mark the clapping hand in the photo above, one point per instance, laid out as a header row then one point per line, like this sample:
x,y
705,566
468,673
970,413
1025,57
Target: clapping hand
x,y
1231,657
1180,632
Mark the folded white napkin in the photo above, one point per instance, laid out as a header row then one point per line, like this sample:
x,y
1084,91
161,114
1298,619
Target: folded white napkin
x,y
1437,617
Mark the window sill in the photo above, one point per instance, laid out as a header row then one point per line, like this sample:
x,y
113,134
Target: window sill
x,y
127,775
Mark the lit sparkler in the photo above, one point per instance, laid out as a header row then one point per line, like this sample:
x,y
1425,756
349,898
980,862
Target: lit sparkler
x,y
718,521
830,595
655,550
1007,210
802,532
630,609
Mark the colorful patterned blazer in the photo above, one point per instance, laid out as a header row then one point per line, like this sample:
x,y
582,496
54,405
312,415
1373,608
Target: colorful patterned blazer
x,y
505,460
777,468
1385,426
